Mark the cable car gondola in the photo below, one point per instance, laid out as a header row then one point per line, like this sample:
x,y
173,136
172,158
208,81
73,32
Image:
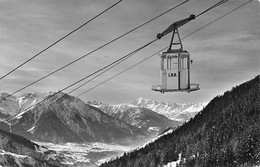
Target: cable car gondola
x,y
175,63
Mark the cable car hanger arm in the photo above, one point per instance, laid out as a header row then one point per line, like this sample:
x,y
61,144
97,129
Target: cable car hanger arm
x,y
175,25
180,23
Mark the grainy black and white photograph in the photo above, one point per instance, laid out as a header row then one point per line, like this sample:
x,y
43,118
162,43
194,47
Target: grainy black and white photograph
x,y
130,83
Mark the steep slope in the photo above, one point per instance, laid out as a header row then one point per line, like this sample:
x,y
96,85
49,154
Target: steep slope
x,y
147,120
18,151
225,133
175,111
63,118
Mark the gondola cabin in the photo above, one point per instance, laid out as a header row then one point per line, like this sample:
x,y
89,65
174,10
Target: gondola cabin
x,y
175,63
175,72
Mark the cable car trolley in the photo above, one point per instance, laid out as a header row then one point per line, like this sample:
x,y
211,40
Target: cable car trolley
x,y
175,63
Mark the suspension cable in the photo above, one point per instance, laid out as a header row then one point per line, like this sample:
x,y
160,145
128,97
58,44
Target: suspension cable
x,y
212,7
102,73
59,40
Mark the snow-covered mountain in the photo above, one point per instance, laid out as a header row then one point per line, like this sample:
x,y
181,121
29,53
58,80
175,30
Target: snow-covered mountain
x,y
69,119
11,105
18,151
30,99
176,111
145,119
61,118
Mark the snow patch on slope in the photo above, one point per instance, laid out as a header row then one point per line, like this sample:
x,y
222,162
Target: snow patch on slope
x,y
31,129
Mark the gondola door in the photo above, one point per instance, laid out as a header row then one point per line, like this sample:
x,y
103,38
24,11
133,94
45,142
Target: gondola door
x,y
169,71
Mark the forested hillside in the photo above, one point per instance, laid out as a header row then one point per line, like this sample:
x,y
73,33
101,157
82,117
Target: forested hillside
x,y
225,133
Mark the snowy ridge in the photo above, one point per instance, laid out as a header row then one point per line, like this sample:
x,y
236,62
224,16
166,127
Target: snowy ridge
x,y
145,119
30,99
176,111
11,105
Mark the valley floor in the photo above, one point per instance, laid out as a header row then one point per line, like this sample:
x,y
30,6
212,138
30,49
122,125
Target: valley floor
x,y
87,155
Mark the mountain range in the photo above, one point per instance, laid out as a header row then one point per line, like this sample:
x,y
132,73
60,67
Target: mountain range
x,y
180,112
145,119
60,118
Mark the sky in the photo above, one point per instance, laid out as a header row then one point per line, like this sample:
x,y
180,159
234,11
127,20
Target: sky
x,y
225,54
